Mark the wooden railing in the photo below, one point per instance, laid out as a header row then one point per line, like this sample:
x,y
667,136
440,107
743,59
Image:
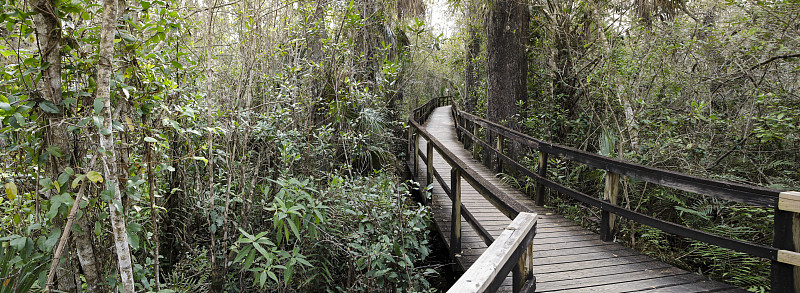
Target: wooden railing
x,y
486,274
513,248
785,275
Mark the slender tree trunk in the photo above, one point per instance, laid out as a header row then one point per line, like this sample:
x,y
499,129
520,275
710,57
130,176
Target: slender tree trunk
x,y
107,145
87,257
154,215
48,36
217,274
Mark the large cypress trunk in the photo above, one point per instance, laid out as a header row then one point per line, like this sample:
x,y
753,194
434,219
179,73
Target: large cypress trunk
x,y
508,66
508,63
470,68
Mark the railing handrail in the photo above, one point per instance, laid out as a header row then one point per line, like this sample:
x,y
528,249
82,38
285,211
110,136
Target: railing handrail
x,y
754,195
489,271
783,253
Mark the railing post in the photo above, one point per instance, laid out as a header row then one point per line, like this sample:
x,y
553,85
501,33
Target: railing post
x,y
416,153
410,146
539,198
455,218
786,277
523,271
607,221
457,121
474,141
499,147
429,164
468,128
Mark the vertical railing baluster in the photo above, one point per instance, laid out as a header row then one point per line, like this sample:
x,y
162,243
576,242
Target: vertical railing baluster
x,y
416,153
410,146
475,141
455,218
499,147
429,164
523,271
539,197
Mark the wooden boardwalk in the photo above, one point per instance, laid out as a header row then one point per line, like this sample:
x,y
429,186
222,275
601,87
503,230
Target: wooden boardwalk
x,y
566,257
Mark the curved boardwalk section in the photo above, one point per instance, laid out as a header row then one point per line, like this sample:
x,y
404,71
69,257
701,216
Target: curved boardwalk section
x,y
566,257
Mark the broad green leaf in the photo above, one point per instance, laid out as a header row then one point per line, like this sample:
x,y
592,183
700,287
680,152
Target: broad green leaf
x,y
261,249
262,279
205,161
55,151
133,239
94,176
18,243
11,190
150,139
49,107
98,105
63,178
118,206
77,180
52,239
294,229
272,276
98,121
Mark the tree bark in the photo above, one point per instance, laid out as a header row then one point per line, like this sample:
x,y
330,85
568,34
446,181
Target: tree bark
x,y
153,215
470,69
48,35
508,66
508,63
107,148
87,257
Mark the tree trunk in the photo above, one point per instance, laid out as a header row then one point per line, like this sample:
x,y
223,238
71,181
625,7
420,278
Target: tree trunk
x,y
508,63
87,257
48,35
470,69
65,275
508,66
217,275
107,145
153,215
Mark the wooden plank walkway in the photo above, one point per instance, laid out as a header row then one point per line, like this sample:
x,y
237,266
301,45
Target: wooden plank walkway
x,y
567,258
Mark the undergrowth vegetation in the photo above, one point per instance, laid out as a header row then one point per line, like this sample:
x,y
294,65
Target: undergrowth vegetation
x,y
254,146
